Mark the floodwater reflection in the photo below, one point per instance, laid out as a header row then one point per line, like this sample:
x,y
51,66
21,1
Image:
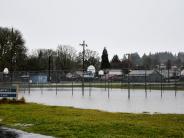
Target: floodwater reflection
x,y
113,100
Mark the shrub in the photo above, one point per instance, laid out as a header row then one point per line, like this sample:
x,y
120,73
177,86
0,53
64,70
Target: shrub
x,y
12,101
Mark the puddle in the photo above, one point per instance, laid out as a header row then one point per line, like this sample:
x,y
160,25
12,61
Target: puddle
x,y
14,133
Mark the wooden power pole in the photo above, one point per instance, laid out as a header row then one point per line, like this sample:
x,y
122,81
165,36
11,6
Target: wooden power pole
x,y
83,53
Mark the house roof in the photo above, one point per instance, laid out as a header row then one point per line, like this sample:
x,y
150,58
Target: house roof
x,y
141,72
172,73
115,72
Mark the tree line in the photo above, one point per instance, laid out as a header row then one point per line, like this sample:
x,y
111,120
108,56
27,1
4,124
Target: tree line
x,y
14,56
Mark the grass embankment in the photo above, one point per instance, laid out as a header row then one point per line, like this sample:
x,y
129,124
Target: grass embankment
x,y
71,122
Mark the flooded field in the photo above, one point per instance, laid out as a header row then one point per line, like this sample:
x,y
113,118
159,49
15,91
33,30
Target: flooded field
x,y
113,100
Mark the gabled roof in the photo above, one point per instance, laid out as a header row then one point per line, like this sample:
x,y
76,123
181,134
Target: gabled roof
x,y
141,72
115,72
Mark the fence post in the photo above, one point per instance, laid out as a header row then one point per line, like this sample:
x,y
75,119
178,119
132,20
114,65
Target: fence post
x,y
175,83
128,87
145,84
72,85
161,83
145,81
29,84
105,81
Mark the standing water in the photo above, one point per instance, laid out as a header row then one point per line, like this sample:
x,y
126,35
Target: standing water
x,y
115,100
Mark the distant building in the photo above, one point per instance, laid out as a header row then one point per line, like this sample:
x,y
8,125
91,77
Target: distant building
x,y
100,72
79,73
170,74
89,75
69,75
91,69
182,73
117,72
90,72
144,75
112,74
162,66
39,78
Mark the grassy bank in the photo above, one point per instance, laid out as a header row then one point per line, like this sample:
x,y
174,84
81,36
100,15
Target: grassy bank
x,y
71,122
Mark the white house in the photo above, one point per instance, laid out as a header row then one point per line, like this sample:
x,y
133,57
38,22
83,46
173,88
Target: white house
x,y
182,73
115,72
91,69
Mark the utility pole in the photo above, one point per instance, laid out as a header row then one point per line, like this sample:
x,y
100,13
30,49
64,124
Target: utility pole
x,y
83,53
49,79
12,54
128,76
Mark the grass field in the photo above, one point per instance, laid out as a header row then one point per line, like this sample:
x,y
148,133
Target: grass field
x,y
71,122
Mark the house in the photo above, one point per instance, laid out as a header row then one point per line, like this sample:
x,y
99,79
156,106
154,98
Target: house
x,y
182,75
39,78
170,74
69,75
79,73
144,75
113,74
163,66
89,75
91,69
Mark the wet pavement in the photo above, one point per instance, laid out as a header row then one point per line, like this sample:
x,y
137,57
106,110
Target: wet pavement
x,y
4,133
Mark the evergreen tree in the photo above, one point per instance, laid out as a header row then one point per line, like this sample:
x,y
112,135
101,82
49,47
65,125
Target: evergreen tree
x,y
12,49
105,60
115,63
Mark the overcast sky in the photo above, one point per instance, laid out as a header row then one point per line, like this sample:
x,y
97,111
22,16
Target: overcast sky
x,y
123,26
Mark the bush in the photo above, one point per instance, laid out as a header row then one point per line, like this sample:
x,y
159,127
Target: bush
x,y
12,101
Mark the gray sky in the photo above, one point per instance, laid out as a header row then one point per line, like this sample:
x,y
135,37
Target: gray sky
x,y
122,26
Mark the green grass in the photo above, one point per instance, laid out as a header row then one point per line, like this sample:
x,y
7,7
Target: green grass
x,y
71,122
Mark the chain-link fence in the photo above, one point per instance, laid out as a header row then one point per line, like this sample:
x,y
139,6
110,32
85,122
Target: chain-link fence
x,y
147,79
